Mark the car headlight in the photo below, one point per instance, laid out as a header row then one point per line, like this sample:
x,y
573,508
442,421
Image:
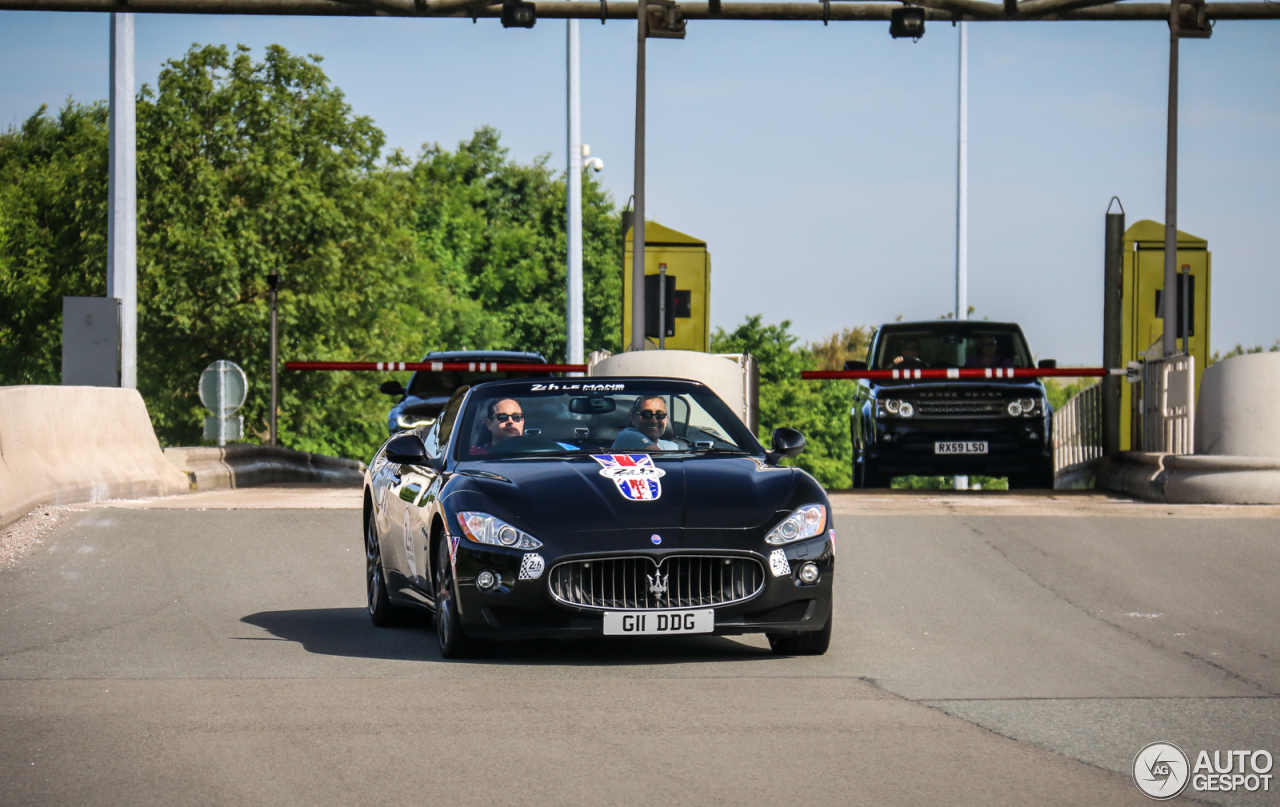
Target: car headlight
x,y
486,529
412,422
804,522
895,407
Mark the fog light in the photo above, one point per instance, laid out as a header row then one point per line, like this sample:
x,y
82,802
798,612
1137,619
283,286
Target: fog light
x,y
809,573
487,580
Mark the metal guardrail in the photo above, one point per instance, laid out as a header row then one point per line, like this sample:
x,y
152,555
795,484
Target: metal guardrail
x,y
1169,405
1077,431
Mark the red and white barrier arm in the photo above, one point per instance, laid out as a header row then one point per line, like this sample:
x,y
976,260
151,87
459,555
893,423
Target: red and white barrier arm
x,y
437,366
964,372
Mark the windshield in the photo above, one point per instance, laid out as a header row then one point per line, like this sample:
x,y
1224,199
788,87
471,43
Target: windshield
x,y
426,384
534,420
947,347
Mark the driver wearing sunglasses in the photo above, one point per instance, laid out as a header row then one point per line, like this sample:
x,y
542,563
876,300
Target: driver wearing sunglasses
x,y
506,419
648,424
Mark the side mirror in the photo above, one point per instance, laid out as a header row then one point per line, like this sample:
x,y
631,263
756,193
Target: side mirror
x,y
391,388
786,443
855,365
1047,364
407,449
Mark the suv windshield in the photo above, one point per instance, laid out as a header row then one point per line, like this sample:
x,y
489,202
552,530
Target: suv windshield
x,y
951,345
426,384
523,421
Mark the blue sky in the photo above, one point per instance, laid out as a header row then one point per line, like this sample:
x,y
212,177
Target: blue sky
x,y
819,163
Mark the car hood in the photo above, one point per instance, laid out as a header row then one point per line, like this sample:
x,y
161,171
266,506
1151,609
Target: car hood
x,y
567,495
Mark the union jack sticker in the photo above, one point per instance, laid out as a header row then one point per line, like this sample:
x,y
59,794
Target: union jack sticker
x,y
635,475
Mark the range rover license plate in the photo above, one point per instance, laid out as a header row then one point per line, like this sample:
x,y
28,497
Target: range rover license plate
x,y
634,623
961,447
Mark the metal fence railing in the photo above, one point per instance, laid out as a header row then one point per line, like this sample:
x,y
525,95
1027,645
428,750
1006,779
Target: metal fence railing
x,y
1077,431
1169,405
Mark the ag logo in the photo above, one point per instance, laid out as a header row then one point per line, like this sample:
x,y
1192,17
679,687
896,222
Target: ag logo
x,y
1160,770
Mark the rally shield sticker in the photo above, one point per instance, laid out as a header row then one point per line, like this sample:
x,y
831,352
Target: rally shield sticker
x,y
635,475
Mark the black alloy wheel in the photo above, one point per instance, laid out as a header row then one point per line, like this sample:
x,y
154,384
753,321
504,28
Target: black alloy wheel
x,y
813,643
453,640
1040,478
868,476
381,611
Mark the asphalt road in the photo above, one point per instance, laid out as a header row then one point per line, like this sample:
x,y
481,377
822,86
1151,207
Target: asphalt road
x,y
988,650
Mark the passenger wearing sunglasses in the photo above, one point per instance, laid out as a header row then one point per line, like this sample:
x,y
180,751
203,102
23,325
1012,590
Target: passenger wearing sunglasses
x,y
506,419
648,424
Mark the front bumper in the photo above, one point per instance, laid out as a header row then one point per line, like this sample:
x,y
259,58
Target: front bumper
x,y
526,608
1014,446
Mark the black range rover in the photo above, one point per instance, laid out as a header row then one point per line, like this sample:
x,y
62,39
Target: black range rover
x,y
952,426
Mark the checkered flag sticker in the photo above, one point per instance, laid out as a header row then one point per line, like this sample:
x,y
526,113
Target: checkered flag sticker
x,y
531,566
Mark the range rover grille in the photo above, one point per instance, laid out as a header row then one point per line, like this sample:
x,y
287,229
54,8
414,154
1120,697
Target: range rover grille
x,y
637,583
984,405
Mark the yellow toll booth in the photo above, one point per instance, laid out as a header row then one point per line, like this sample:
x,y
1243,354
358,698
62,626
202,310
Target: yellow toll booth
x,y
1142,304
688,271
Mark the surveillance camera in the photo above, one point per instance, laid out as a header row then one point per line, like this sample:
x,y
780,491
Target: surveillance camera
x,y
596,164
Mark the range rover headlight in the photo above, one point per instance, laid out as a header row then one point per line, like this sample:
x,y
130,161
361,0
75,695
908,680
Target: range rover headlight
x,y
804,522
486,529
1028,406
892,406
1014,408
412,421
906,410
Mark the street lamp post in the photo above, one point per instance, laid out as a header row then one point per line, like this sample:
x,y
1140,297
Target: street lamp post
x,y
1169,342
637,262
122,212
573,180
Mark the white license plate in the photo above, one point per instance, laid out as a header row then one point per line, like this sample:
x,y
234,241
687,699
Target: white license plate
x,y
961,447
635,623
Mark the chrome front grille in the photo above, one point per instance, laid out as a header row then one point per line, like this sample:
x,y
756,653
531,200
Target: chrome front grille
x,y
985,405
637,583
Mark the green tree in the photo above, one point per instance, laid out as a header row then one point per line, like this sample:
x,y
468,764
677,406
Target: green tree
x,y
247,168
496,230
53,209
819,409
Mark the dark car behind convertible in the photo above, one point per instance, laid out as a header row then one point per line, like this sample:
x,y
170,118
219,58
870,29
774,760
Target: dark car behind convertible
x,y
429,390
991,426
579,507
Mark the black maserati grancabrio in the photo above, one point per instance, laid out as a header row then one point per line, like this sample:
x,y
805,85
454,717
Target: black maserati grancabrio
x,y
566,507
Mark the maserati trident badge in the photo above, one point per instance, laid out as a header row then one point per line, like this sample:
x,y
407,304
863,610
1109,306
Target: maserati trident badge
x,y
658,583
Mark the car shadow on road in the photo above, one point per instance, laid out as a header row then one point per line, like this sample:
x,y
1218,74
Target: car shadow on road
x,y
348,632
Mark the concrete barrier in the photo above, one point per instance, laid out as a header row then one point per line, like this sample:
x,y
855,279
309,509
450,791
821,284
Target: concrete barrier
x,y
239,466
1237,459
78,444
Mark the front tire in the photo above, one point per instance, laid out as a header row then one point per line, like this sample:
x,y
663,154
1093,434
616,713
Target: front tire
x,y
1041,478
813,643
868,476
381,611
452,639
